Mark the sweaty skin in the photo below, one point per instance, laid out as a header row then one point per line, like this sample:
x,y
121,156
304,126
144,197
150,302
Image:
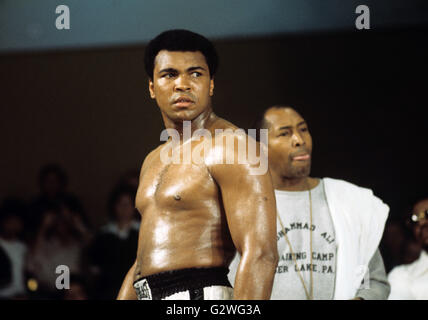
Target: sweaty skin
x,y
195,215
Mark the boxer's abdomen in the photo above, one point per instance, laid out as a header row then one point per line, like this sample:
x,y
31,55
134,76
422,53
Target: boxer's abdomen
x,y
192,240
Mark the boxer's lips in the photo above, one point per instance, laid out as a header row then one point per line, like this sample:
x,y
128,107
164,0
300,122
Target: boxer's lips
x,y
183,102
302,157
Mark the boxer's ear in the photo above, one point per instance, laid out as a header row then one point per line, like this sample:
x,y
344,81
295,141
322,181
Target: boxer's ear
x,y
151,89
212,87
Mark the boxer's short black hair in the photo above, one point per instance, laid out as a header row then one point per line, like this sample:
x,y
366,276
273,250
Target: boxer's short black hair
x,y
180,40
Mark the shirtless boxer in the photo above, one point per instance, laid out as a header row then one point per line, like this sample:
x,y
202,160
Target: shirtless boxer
x,y
195,215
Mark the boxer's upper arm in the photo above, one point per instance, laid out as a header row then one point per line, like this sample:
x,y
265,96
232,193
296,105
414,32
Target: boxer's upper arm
x,y
249,203
147,161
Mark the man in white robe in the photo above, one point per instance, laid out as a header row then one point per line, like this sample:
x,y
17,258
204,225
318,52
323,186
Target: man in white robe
x,y
328,230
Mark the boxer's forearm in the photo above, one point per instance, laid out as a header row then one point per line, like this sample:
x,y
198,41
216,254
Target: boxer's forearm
x,y
254,278
127,291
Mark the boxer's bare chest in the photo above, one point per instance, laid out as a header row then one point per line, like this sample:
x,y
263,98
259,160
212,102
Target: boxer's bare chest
x,y
169,186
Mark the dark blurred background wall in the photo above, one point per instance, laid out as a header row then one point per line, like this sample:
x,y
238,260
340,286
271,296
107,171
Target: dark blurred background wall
x,y
90,110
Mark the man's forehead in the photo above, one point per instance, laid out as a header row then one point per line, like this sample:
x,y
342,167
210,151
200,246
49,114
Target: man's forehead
x,y
283,116
168,59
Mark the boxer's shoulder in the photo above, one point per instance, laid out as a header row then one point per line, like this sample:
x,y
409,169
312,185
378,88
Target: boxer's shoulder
x,y
153,155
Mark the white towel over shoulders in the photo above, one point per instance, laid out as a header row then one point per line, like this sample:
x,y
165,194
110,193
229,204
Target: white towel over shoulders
x,y
359,219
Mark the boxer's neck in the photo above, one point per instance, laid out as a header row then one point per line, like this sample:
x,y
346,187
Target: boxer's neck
x,y
203,121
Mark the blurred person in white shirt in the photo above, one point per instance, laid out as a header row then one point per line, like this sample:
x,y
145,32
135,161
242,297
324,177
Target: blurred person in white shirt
x,y
410,281
11,229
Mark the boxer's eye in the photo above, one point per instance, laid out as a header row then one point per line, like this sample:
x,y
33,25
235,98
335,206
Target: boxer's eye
x,y
196,74
169,75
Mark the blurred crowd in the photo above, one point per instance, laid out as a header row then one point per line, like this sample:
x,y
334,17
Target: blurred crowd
x,y
53,229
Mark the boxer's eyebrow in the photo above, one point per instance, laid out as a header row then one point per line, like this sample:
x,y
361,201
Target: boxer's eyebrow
x,y
195,68
172,70
168,70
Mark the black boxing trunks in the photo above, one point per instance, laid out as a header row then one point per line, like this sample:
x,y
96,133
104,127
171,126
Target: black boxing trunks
x,y
186,284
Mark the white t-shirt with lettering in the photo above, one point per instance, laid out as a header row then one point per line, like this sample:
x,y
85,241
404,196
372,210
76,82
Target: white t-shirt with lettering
x,y
294,210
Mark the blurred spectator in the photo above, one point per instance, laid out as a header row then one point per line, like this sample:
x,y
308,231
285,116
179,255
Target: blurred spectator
x,y
398,245
76,219
60,240
11,229
78,289
410,281
393,243
5,269
130,178
113,251
411,251
53,183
